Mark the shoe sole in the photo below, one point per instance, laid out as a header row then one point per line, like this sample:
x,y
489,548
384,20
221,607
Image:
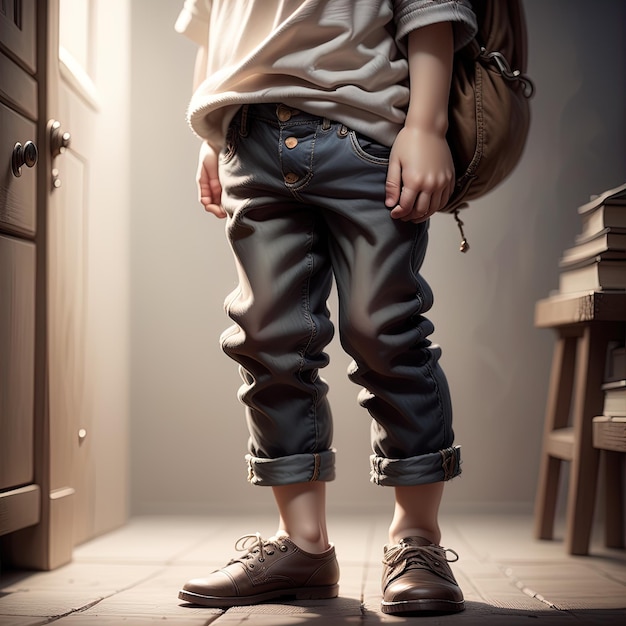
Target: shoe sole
x,y
302,593
422,606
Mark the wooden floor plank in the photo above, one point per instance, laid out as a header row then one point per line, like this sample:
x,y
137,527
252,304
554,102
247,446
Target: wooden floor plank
x,y
133,576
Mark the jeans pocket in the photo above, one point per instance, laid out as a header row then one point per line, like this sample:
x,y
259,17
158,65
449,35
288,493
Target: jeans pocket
x,y
369,150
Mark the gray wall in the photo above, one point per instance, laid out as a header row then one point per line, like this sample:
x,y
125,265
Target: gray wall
x,y
187,433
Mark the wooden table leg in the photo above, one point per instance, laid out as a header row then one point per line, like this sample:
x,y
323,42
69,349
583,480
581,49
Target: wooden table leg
x,y
556,416
588,400
614,499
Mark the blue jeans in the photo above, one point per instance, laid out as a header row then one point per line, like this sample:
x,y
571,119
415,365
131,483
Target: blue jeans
x,y
305,202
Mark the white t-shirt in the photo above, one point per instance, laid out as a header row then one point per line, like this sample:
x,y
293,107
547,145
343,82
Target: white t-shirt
x,y
341,59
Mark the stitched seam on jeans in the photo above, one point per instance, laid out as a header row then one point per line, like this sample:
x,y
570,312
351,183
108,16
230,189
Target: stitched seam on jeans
x,y
307,299
425,304
316,467
301,185
313,331
439,404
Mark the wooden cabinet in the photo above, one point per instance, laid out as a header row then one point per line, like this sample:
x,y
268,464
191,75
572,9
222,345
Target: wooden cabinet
x,y
64,404
36,495
20,493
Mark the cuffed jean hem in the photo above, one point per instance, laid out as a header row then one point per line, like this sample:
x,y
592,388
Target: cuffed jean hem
x,y
296,468
417,470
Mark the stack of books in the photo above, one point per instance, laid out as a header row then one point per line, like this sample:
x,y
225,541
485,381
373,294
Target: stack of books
x,y
609,429
598,260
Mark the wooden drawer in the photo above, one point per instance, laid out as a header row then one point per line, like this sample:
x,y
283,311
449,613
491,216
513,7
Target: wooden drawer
x,y
18,195
18,89
17,361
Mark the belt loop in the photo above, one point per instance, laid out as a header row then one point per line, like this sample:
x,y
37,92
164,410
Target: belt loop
x,y
325,124
243,130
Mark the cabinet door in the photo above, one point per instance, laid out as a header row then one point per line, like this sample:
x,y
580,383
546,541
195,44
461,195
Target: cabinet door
x,y
87,353
17,355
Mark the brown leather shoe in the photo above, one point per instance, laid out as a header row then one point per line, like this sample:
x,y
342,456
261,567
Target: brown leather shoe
x,y
270,569
417,578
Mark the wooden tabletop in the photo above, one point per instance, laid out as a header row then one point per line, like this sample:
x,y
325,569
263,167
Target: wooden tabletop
x,y
576,308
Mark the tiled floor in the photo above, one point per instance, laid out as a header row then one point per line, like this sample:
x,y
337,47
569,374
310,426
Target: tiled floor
x,y
132,576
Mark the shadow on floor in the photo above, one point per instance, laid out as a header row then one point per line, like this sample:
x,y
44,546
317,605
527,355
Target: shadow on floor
x,y
345,611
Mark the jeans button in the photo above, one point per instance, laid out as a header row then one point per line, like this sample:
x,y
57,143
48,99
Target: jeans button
x,y
291,178
291,142
283,113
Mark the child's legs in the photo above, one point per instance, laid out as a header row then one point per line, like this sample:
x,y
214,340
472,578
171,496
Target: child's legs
x,y
416,512
382,301
279,308
403,386
302,510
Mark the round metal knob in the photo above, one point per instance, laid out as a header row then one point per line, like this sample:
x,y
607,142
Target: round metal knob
x,y
59,140
26,154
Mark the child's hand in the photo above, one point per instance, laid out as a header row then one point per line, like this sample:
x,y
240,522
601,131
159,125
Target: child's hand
x,y
421,175
209,187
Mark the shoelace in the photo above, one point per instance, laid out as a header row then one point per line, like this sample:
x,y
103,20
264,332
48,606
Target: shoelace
x,y
418,555
254,545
